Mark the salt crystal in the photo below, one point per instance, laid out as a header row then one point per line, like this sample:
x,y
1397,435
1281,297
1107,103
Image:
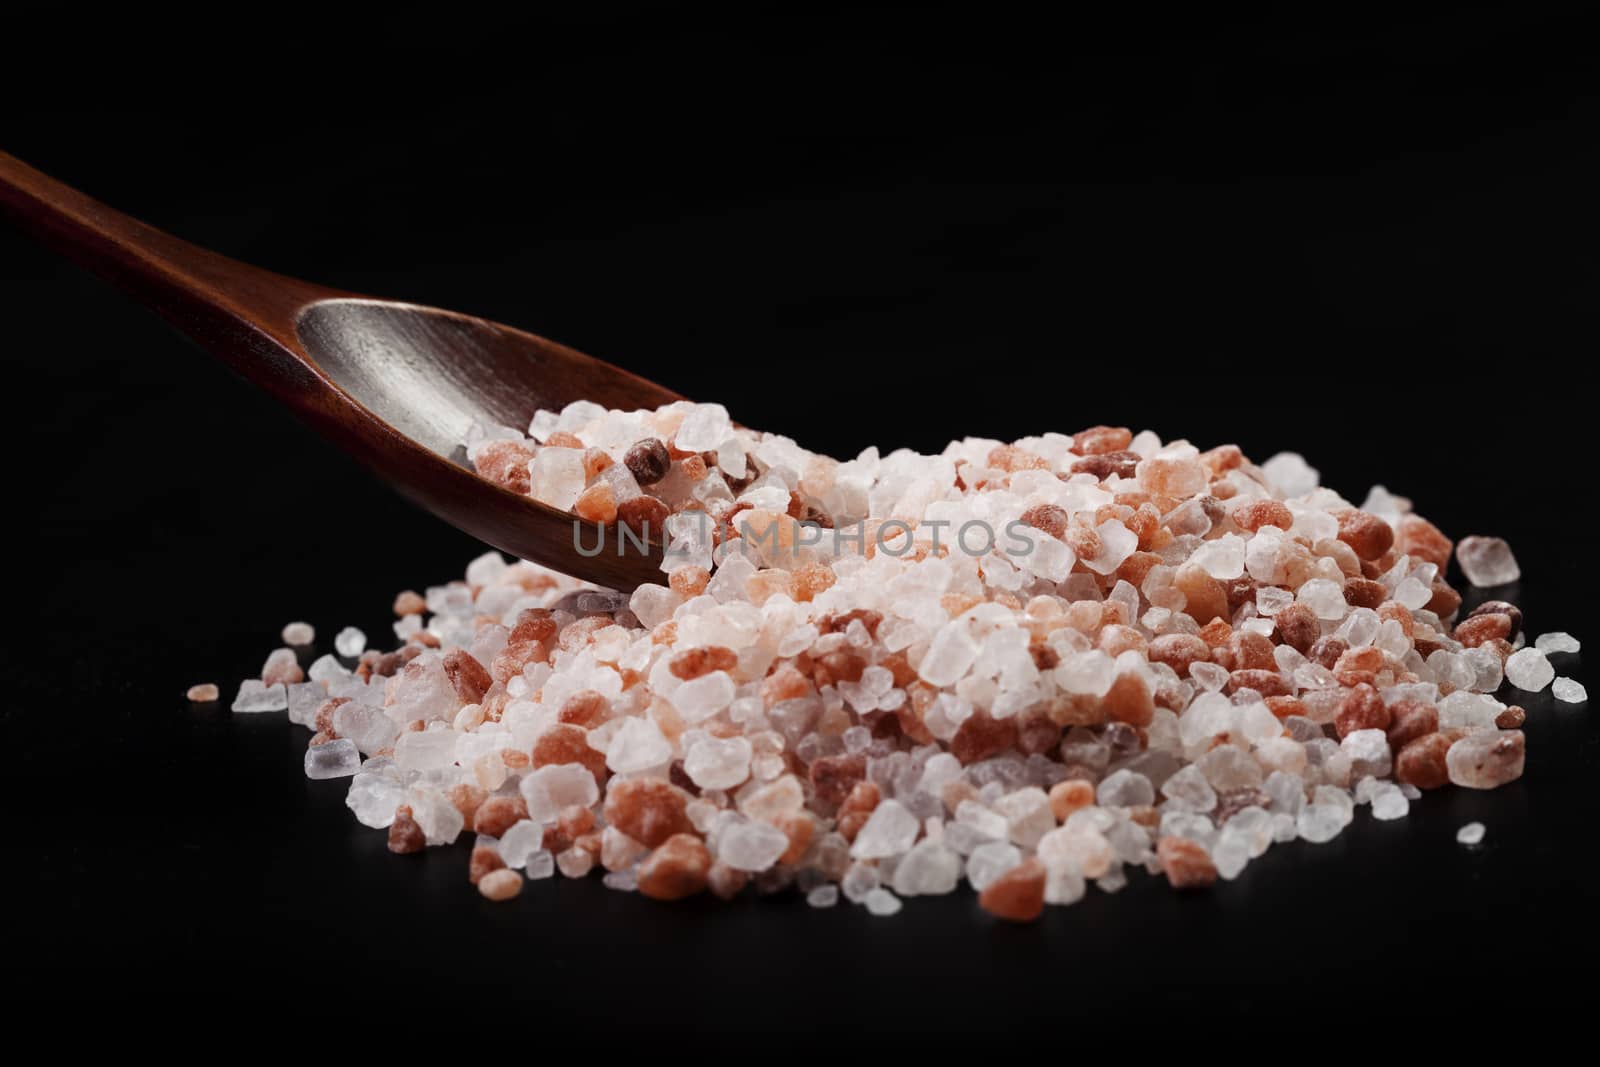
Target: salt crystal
x,y
704,428
557,477
637,746
1125,789
990,861
1222,558
519,843
1487,561
1557,641
824,896
254,697
703,697
550,789
373,798
349,642
929,869
1569,692
889,830
714,763
326,668
1529,670
950,656
575,862
1319,823
1470,834
1486,759
335,759
1389,803
299,634
751,846
882,903
1325,598
204,693
1292,475
541,864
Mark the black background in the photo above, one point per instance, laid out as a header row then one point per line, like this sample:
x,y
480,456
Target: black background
x,y
1370,242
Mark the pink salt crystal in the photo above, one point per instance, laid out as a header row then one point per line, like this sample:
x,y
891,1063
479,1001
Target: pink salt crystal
x,y
500,884
204,693
282,668
1486,759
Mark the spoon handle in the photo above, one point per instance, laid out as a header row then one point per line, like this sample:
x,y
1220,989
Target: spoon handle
x,y
232,309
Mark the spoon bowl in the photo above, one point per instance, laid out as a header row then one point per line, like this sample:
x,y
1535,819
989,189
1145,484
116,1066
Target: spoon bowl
x,y
394,384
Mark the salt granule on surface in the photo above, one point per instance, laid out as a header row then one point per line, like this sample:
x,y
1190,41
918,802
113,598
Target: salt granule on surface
x,y
1198,660
299,634
1487,561
1470,834
203,693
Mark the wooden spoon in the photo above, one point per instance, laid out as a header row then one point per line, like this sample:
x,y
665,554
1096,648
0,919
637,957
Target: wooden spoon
x,y
395,385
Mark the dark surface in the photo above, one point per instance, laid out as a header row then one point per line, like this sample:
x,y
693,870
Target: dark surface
x,y
1367,244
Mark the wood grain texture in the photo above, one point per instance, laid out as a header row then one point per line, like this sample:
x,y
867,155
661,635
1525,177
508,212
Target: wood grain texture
x,y
393,384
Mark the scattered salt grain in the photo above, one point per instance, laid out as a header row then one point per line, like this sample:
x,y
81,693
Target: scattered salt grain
x,y
1487,561
256,696
203,693
350,642
1557,641
1470,834
299,634
336,759
1529,670
1569,692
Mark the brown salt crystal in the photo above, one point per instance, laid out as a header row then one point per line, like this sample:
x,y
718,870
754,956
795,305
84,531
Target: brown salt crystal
x,y
1297,627
1361,709
1011,458
571,823
1248,651
203,693
644,515
1283,707
515,759
647,810
1185,863
695,468
565,743
563,439
322,720
1358,665
596,504
1501,647
1326,651
1410,719
483,860
467,798
503,884
647,461
1205,597
1239,591
1478,629
404,833
1421,540
1267,683
862,800
1117,639
1364,592
843,665
1216,634
1136,568
1500,607
784,683
467,676
1085,542
1369,535
585,708
1398,612
1067,797
535,625
810,580
1048,518
799,827
595,461
409,602
505,463
424,638
725,882
1128,700
1512,718
981,736
689,580
1106,464
692,663
1259,513
498,814
1036,733
1222,459
1100,440
833,777
850,824
1017,895
678,868
1422,761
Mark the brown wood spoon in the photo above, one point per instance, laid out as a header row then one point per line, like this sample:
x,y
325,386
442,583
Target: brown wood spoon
x,y
395,385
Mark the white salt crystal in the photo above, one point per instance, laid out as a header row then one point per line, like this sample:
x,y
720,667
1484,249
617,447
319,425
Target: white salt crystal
x,y
704,428
990,861
703,697
1368,751
1291,474
824,896
519,843
366,726
427,750
1231,855
950,656
1222,558
882,903
1569,691
1125,789
486,569
335,759
637,746
349,642
436,814
1050,559
1529,670
1320,822
299,634
1487,561
1389,803
1117,543
1063,885
542,864
858,881
929,869
557,477
551,788
255,696
751,846
1324,598
1557,641
304,699
890,830
1470,834
714,763
373,798
326,668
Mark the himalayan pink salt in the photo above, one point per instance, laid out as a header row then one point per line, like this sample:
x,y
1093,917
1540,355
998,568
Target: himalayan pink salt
x,y
203,693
